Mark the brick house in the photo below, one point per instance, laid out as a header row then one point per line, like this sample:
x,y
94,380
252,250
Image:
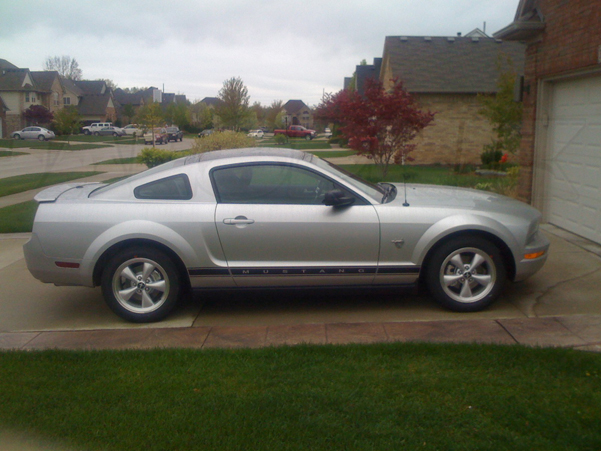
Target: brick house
x,y
560,153
21,89
446,75
296,112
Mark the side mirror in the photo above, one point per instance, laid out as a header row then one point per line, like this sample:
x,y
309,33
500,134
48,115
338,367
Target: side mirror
x,y
336,198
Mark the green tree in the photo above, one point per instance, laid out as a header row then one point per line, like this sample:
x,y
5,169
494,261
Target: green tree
x,y
502,111
274,113
65,65
178,114
67,121
234,109
151,116
129,112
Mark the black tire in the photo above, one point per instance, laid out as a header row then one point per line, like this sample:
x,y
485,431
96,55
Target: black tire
x,y
96,134
41,138
134,298
86,132
17,136
466,274
115,134
308,137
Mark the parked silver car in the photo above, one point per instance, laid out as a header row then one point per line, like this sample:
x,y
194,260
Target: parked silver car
x,y
276,218
107,131
34,132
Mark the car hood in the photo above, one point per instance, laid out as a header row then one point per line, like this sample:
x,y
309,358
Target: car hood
x,y
460,198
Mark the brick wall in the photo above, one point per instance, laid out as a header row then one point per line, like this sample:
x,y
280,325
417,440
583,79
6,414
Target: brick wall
x,y
570,42
458,132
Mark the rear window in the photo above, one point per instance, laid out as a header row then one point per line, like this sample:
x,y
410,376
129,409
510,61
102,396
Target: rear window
x,y
176,187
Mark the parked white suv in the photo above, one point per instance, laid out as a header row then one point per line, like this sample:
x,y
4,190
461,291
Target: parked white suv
x,y
96,127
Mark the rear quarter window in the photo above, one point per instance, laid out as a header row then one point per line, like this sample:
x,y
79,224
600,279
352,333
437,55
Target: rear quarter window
x,y
176,187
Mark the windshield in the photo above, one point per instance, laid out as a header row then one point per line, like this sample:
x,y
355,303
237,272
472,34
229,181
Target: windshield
x,y
369,189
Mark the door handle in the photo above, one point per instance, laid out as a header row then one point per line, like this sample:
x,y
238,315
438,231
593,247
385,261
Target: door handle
x,y
238,220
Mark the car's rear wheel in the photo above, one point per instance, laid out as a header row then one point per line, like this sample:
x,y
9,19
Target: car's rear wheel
x,y
141,285
466,274
96,134
115,134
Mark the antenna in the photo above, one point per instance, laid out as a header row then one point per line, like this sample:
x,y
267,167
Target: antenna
x,y
405,204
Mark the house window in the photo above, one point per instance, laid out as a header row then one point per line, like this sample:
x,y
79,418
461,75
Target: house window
x,y
66,100
27,97
55,98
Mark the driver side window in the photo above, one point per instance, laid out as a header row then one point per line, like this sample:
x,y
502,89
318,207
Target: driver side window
x,y
270,184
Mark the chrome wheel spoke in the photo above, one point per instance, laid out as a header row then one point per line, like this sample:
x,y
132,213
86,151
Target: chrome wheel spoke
x,y
456,261
127,293
466,290
159,285
129,274
483,279
148,269
451,280
476,261
147,301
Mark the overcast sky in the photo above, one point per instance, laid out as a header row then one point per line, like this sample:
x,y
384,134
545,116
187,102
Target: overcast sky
x,y
281,49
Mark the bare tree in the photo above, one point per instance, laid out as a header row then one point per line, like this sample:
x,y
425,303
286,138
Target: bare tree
x,y
65,65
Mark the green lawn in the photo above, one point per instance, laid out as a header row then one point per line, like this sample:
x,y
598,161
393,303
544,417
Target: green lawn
x,y
296,143
20,183
354,397
105,139
18,218
131,160
48,145
9,153
435,175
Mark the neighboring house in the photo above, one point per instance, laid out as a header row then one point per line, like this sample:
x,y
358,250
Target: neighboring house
x,y
560,154
446,75
297,113
19,91
3,110
96,103
212,101
50,89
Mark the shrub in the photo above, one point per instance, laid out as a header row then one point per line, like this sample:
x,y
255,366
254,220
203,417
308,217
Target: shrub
x,y
152,157
222,140
491,156
280,139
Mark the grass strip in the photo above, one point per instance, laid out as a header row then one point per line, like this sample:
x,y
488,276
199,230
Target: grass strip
x,y
47,145
434,175
9,153
360,397
21,183
334,154
132,160
18,218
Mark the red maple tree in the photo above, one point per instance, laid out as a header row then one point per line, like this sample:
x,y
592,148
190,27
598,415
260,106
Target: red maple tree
x,y
378,124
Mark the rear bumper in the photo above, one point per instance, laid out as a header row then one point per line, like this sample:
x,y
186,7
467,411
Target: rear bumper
x,y
45,269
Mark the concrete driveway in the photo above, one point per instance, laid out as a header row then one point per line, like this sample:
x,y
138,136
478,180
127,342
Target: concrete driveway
x,y
567,286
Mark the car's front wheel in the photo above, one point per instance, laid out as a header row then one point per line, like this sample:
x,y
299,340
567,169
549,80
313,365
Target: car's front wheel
x,y
41,138
141,285
17,136
466,274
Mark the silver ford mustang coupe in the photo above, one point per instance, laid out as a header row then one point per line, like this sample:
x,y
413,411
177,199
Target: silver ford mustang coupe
x,y
277,218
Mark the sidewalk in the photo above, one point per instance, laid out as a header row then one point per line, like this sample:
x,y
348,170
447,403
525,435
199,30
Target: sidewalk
x,y
577,332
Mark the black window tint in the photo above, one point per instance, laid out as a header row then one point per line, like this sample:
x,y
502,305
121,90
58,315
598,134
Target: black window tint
x,y
176,187
271,184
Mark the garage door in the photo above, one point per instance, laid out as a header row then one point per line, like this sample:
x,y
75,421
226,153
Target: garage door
x,y
573,179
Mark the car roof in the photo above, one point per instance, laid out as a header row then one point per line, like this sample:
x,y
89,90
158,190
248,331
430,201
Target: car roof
x,y
248,152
